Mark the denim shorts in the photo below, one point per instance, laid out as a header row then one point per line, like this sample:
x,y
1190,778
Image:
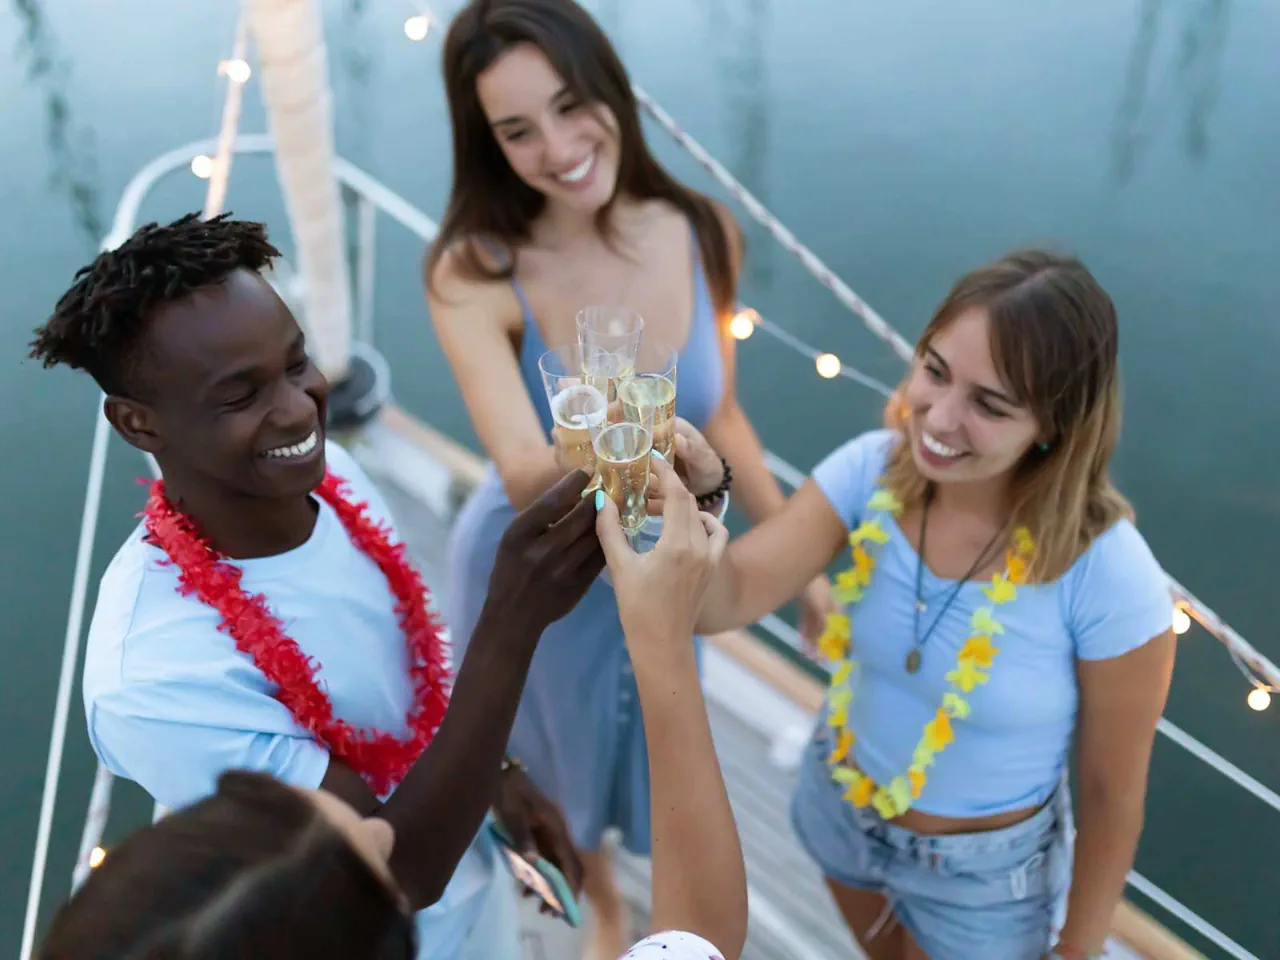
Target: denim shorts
x,y
991,895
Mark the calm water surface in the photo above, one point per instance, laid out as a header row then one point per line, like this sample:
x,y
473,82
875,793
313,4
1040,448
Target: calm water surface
x,y
905,142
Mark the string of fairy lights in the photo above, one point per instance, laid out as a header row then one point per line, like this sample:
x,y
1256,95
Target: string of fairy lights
x,y
742,326
419,24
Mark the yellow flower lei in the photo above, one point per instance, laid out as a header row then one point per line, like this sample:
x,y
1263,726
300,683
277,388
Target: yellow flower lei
x,y
972,663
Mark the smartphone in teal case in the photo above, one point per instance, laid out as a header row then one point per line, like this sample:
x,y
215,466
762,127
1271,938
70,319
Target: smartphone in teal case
x,y
540,876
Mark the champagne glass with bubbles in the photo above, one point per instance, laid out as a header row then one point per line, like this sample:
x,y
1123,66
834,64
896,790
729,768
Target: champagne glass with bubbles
x,y
622,459
578,406
610,341
648,395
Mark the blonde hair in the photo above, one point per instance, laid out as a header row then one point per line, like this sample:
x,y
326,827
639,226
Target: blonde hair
x,y
1054,341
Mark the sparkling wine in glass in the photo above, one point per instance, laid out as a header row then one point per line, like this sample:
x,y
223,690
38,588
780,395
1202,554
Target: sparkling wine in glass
x,y
648,395
622,459
610,341
578,408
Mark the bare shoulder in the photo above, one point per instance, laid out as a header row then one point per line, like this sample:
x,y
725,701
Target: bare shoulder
x,y
459,292
459,273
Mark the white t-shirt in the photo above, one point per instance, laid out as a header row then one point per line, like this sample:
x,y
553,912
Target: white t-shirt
x,y
171,703
672,945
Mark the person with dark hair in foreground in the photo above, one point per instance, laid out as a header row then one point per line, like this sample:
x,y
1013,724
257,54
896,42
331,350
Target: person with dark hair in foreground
x,y
265,616
263,870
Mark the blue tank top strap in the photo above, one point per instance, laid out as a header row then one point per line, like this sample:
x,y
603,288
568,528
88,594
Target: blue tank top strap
x,y
525,310
531,350
500,252
531,346
701,372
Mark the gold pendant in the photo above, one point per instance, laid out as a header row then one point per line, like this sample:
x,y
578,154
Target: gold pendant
x,y
913,661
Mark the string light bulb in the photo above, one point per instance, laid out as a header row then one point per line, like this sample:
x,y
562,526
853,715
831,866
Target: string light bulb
x,y
96,856
1181,620
202,166
237,71
743,323
1259,699
416,27
828,365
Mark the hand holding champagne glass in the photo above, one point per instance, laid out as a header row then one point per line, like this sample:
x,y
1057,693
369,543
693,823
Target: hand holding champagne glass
x,y
660,592
695,461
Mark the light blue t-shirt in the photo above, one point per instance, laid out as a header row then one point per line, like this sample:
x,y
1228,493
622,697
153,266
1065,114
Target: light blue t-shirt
x,y
1010,752
171,703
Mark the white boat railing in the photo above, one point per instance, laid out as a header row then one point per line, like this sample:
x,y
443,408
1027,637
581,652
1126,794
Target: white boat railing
x,y
373,197
66,675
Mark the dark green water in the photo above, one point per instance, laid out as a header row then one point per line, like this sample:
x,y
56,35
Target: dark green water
x,y
905,142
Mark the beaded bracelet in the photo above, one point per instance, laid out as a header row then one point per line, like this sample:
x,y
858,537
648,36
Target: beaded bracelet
x,y
707,499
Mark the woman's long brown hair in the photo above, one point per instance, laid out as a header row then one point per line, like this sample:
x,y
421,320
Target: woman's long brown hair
x,y
1055,343
489,203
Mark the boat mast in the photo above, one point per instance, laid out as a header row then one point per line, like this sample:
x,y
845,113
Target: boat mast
x,y
292,65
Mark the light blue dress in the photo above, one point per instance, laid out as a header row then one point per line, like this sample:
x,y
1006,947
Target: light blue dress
x,y
578,729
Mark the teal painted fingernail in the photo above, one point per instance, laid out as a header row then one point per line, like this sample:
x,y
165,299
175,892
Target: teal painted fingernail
x,y
658,454
599,500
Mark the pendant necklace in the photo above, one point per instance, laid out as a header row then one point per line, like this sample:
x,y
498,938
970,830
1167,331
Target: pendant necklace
x,y
915,656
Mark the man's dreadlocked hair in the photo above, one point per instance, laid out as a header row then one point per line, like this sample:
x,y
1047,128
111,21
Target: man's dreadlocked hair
x,y
98,323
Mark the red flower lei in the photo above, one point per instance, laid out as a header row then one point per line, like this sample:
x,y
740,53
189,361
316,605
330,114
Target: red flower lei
x,y
380,758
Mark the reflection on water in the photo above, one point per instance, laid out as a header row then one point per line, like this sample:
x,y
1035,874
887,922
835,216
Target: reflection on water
x,y
354,104
72,150
736,32
1152,92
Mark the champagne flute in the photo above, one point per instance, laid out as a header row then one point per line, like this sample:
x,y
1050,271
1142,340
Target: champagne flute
x,y
649,395
622,459
610,341
578,407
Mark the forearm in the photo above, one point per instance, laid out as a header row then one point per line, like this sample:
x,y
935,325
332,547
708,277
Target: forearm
x,y
526,481
721,605
1106,842
699,883
755,489
443,799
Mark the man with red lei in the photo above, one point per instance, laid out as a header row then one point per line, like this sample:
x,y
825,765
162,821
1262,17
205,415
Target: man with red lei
x,y
265,615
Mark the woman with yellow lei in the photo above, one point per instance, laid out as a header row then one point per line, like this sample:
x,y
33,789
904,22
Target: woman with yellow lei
x,y
999,606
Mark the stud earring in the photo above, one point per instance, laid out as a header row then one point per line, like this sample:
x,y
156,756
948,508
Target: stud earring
x,y
1044,448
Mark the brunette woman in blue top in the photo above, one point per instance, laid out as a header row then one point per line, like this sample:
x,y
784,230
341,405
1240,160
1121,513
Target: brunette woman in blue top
x,y
999,606
558,204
